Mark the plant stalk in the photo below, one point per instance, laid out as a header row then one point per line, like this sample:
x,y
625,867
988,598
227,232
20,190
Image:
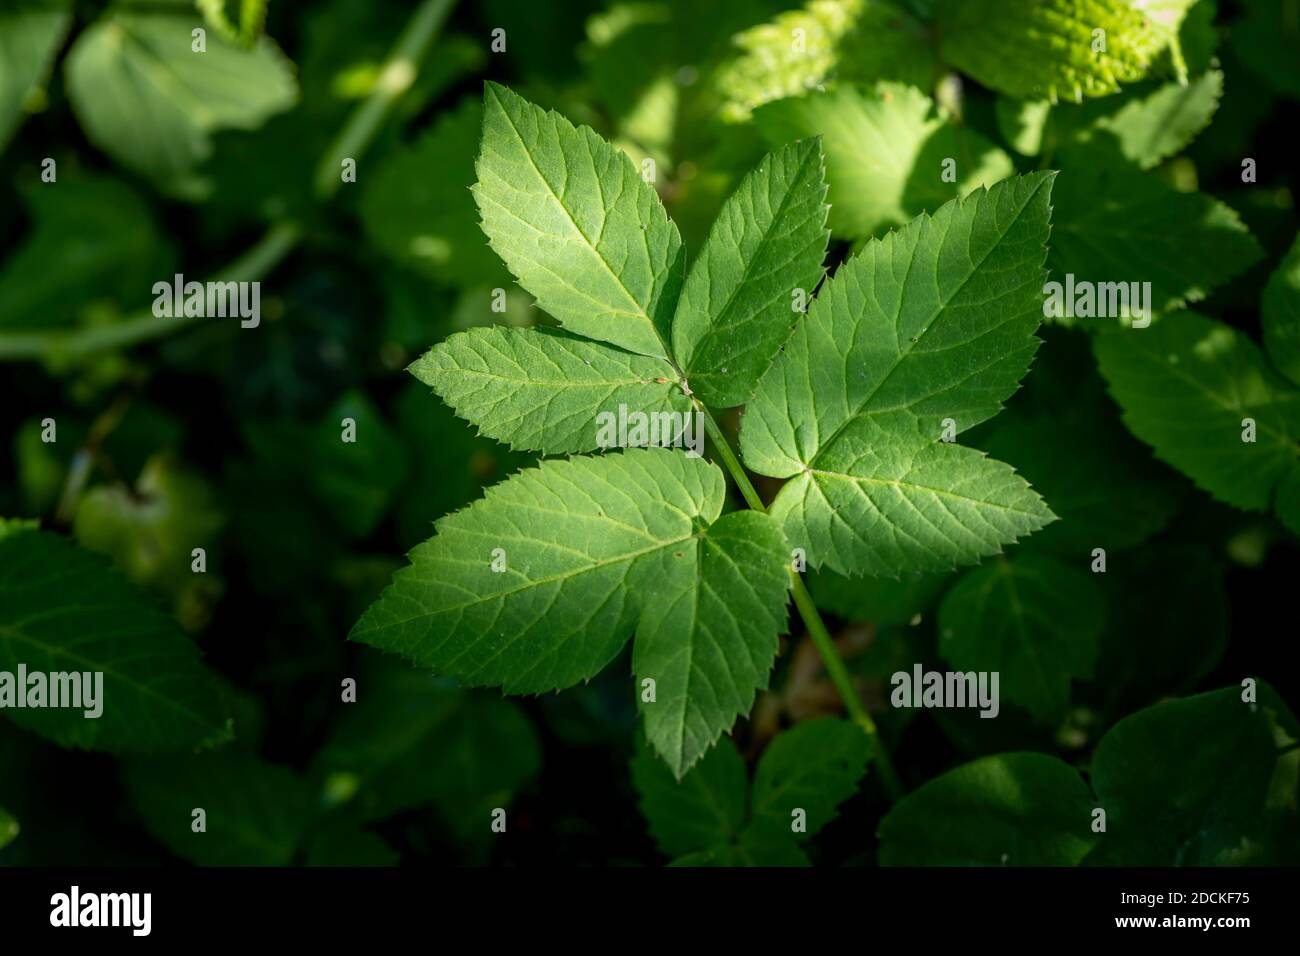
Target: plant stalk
x,y
821,637
395,78
260,259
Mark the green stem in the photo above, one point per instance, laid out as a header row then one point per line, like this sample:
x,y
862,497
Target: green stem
x,y
821,637
395,78
141,326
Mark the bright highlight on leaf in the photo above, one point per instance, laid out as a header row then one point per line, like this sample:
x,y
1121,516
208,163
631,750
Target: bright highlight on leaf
x,y
146,98
1049,49
890,155
826,41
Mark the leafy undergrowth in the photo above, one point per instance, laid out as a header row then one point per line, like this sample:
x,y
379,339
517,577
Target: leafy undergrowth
x,y
865,432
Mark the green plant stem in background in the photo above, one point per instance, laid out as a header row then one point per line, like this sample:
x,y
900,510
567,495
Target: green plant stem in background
x,y
267,253
812,619
281,239
395,78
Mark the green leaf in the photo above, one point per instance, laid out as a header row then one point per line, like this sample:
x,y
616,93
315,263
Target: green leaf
x,y
1044,49
703,809
543,389
577,225
152,104
411,740
1023,123
1113,224
150,531
63,610
1031,619
708,631
1186,385
886,150
30,36
105,240
844,40
934,322
814,767
1149,125
1016,809
418,209
1100,482
256,813
1212,750
736,308
1280,315
590,549
9,828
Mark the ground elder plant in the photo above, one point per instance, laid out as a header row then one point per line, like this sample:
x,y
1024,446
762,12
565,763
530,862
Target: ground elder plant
x,y
848,433
536,587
